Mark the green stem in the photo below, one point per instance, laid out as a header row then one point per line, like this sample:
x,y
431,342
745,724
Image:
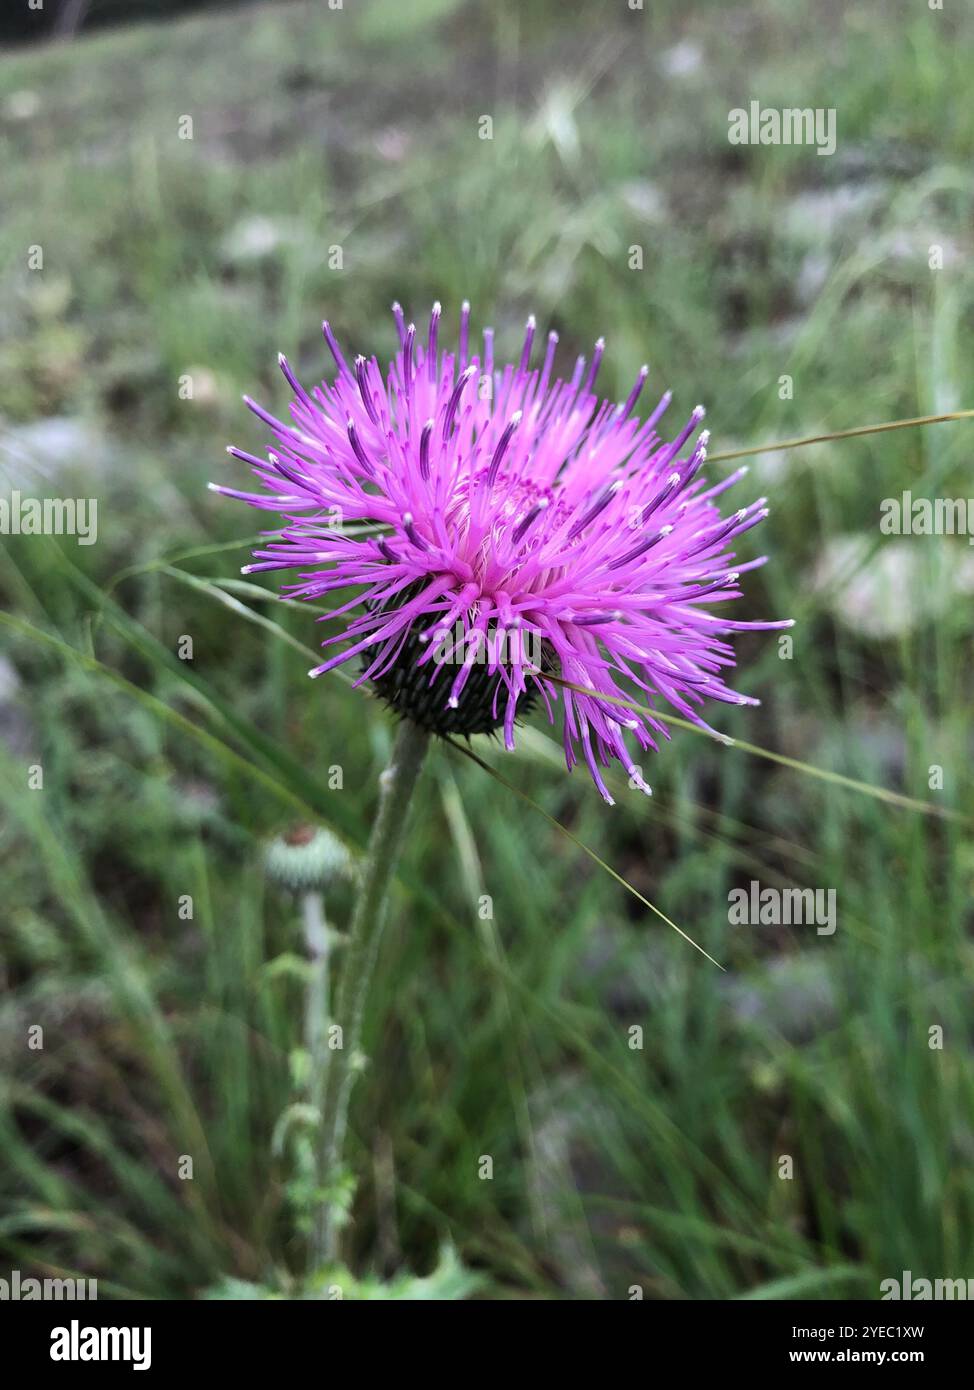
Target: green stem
x,y
317,945
385,843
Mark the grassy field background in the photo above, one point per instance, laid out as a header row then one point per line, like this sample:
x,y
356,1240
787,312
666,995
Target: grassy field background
x,y
166,258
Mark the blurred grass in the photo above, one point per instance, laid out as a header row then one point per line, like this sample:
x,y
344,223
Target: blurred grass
x,y
163,1036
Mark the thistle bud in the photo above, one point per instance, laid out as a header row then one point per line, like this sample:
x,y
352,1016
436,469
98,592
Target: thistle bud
x,y
306,858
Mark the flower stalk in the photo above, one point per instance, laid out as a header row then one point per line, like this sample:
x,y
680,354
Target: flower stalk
x,y
396,786
318,946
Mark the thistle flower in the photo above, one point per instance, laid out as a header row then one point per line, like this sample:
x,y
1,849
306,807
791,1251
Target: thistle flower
x,y
555,533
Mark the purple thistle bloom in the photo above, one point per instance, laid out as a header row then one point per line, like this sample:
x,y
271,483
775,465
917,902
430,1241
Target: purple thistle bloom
x,y
555,534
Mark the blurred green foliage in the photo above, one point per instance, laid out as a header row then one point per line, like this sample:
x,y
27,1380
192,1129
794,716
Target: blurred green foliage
x,y
169,258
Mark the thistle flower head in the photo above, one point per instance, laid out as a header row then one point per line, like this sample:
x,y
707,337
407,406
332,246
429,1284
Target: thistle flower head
x,y
506,534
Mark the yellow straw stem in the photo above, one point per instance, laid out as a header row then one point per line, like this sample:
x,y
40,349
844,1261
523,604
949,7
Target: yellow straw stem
x,y
841,434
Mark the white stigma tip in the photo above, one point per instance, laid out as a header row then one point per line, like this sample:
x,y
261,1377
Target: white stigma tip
x,y
465,306
532,322
281,358
246,569
698,412
437,309
453,702
213,487
665,530
407,518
